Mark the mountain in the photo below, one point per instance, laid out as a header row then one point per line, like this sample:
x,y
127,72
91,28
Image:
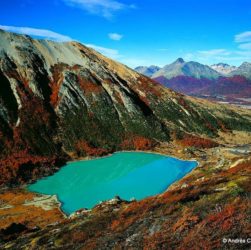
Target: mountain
x,y
182,68
196,70
220,82
243,70
64,101
53,95
223,68
147,71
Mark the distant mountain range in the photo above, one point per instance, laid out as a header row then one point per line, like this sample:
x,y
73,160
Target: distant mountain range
x,y
182,68
147,71
196,70
220,82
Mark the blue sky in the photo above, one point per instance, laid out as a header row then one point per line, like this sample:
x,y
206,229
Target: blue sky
x,y
141,32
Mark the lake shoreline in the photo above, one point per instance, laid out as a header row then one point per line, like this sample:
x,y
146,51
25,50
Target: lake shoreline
x,y
61,203
86,158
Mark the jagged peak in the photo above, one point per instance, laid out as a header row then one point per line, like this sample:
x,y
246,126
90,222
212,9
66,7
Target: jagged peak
x,y
245,64
221,64
180,60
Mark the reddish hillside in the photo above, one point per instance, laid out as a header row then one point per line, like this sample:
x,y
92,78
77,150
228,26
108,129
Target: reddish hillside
x,y
185,84
232,87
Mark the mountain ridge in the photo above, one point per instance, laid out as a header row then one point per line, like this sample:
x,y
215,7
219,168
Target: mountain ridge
x,y
230,84
223,68
70,89
243,70
218,70
180,67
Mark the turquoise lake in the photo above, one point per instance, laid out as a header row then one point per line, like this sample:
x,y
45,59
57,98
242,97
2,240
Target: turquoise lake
x,y
83,184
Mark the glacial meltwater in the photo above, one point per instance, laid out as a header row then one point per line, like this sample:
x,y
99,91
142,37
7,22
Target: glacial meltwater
x,y
83,184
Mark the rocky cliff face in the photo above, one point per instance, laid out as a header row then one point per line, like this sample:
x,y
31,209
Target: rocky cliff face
x,y
60,100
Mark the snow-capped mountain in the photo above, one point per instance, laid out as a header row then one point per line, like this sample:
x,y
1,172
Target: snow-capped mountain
x,y
223,68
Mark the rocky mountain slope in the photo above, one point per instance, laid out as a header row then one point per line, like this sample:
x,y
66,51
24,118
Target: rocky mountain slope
x,y
61,101
64,100
243,70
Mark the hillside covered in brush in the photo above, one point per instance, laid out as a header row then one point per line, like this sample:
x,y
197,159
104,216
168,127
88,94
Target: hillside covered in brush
x,y
64,100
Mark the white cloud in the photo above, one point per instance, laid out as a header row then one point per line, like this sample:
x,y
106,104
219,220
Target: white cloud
x,y
105,8
112,53
115,36
244,40
241,53
48,34
245,46
245,53
243,37
215,52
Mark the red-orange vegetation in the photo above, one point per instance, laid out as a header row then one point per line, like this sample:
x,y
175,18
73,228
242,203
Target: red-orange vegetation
x,y
223,219
242,166
115,224
19,166
55,87
186,221
84,148
184,103
76,67
55,84
138,143
89,86
150,86
18,210
118,97
197,142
